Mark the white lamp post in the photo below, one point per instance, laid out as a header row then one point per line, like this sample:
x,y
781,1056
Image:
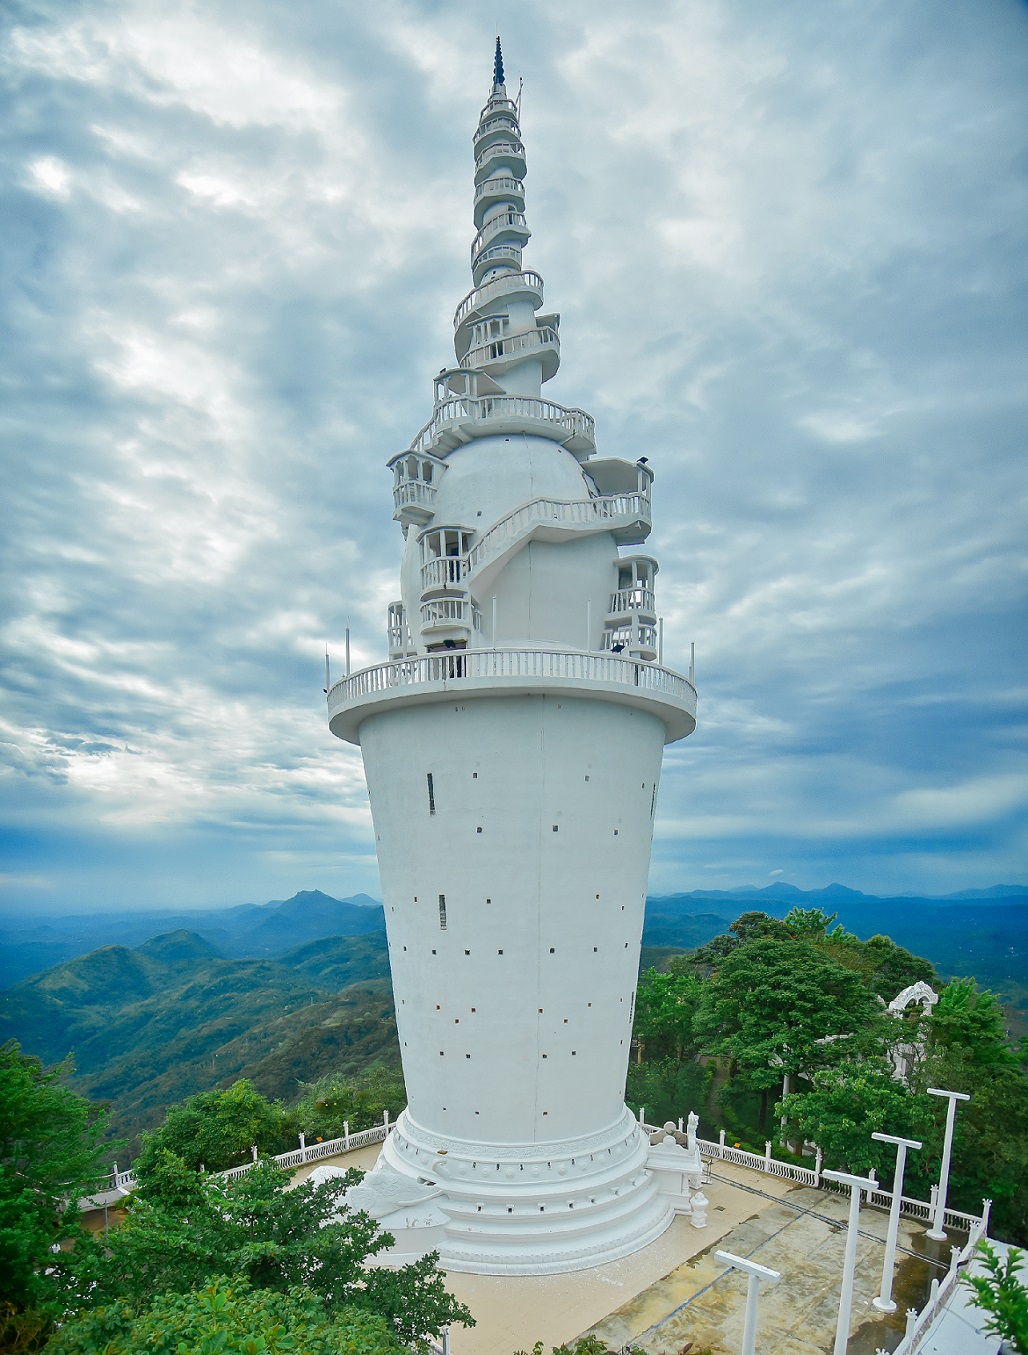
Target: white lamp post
x,y
856,1185
885,1302
937,1232
755,1274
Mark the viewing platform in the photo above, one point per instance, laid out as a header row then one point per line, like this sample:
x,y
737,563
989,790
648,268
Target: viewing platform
x,y
471,673
461,418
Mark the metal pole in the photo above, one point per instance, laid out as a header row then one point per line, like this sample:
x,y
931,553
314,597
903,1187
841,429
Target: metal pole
x,y
328,676
755,1274
347,651
588,623
885,1302
937,1232
692,660
494,623
856,1185
660,640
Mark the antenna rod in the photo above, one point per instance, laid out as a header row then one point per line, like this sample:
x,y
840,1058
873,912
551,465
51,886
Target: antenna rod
x,y
347,651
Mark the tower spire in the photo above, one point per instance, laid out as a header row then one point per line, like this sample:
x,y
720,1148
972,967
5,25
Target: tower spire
x,y
498,64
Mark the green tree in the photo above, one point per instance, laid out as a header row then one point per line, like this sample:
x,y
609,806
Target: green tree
x,y
185,1229
227,1315
665,1015
1002,1295
845,1106
217,1129
746,927
967,1033
780,1006
51,1142
335,1101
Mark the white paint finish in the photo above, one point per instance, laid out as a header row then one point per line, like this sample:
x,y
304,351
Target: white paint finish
x,y
514,767
516,1153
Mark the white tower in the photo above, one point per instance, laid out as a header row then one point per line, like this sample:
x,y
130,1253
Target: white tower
x,y
512,745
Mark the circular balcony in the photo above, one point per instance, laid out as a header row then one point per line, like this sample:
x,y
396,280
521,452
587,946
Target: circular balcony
x,y
482,673
502,188
509,153
510,227
459,419
500,124
499,355
494,256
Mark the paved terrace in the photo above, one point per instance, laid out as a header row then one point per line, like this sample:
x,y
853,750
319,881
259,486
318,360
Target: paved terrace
x,y
674,1292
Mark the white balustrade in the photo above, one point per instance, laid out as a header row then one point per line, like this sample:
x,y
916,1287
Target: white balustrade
x,y
491,188
445,612
496,225
413,493
507,149
464,410
637,599
525,342
446,571
476,665
611,510
524,280
311,1152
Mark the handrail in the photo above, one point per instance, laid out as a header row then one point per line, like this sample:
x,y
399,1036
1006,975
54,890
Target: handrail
x,y
514,148
505,184
447,571
534,664
637,599
478,296
541,337
499,119
597,512
498,252
507,221
461,408
310,1152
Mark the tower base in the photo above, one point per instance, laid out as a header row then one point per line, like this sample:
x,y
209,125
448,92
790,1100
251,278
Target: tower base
x,y
514,1209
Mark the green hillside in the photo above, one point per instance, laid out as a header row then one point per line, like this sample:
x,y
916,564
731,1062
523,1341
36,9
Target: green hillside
x,y
152,1025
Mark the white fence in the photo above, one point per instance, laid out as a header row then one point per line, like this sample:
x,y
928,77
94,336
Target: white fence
x,y
811,1176
122,1182
918,1324
476,664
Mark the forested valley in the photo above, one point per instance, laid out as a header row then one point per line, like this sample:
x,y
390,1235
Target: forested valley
x,y
775,1030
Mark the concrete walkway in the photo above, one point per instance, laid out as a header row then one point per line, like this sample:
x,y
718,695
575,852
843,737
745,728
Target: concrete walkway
x,y
674,1292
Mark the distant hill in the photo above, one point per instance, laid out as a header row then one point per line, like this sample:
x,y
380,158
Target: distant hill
x,y
152,1025
247,931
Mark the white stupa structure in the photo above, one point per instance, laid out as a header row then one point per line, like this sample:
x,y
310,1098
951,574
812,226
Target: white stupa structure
x,y
512,744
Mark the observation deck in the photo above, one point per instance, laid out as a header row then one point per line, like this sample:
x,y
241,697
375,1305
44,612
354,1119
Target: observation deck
x,y
477,673
457,420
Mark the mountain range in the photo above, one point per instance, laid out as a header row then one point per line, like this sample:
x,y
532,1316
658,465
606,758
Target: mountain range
x,y
288,991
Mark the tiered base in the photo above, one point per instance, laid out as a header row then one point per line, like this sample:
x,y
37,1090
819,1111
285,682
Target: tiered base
x,y
514,1209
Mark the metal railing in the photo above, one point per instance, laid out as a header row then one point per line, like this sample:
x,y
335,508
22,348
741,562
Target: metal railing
x,y
462,409
476,665
509,282
515,343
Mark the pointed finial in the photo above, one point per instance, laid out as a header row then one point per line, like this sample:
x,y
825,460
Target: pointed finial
x,y
498,65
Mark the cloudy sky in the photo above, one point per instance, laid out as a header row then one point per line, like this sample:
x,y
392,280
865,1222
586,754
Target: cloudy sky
x,y
788,243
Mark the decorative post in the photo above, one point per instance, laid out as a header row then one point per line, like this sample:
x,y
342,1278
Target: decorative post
x,y
885,1302
767,1154
385,1122
755,1274
642,1113
721,1141
856,1185
937,1232
819,1158
346,1135
253,1150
